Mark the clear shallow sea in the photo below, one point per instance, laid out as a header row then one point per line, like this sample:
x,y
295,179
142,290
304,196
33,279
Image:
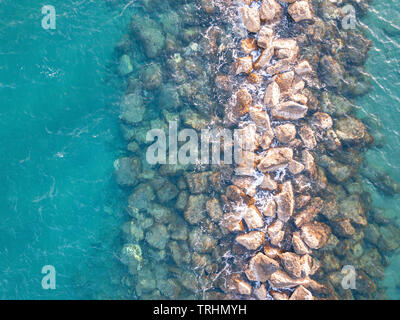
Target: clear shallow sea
x,y
59,203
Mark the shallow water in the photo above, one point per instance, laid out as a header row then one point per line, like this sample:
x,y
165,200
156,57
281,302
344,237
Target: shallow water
x,y
383,103
59,127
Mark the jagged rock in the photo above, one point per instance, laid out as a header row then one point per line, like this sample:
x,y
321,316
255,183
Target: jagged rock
x,y
278,295
281,279
260,293
247,184
166,192
338,171
300,11
180,253
251,18
182,200
125,65
157,236
307,136
285,201
370,262
200,241
301,293
321,120
253,218
303,68
331,71
260,118
195,209
275,232
169,288
298,244
270,209
248,45
343,227
264,58
243,287
315,234
350,130
127,170
159,213
372,233
244,64
275,158
309,213
213,209
285,80
309,163
265,37
285,132
132,108
301,183
352,208
232,222
141,198
390,238
295,167
270,10
289,111
268,183
247,137
261,267
286,49
243,102
272,95
302,200
252,240
197,182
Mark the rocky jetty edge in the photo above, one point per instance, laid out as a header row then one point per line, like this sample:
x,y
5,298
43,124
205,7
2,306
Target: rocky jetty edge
x,y
285,222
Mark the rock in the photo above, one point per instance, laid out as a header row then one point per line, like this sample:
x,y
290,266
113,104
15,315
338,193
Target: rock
x,y
309,213
336,170
303,68
372,233
335,104
277,295
275,232
286,49
285,132
370,262
268,183
264,58
352,207
178,229
182,200
285,201
197,182
321,121
298,244
159,213
350,130
248,45
275,158
223,82
252,240
301,293
285,80
243,287
232,222
331,72
125,65
131,255
247,184
195,209
244,65
295,167
180,254
132,108
141,198
300,11
169,97
309,163
390,238
247,137
265,37
302,200
307,136
253,218
281,279
270,209
152,76
315,234
200,241
127,170
169,288
289,111
272,95
260,117
251,18
166,192
343,228
270,11
260,293
243,102
260,268
157,236
213,209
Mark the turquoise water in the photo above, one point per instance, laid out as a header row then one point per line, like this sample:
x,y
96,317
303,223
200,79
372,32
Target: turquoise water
x,y
383,104
59,129
59,137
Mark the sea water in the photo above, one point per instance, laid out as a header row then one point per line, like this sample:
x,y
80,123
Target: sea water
x,y
59,129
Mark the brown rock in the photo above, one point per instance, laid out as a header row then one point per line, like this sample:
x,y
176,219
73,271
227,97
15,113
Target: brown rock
x,y
243,102
302,200
263,59
260,292
307,136
252,240
270,10
260,117
315,234
285,132
247,184
309,213
298,244
244,65
321,120
289,111
275,158
232,222
285,80
301,10
343,227
253,218
265,37
303,67
285,201
268,183
301,293
243,287
213,209
261,267
270,209
309,163
251,18
248,45
272,95
295,167
275,232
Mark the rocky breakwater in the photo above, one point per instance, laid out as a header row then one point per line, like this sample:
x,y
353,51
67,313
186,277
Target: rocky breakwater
x,y
296,206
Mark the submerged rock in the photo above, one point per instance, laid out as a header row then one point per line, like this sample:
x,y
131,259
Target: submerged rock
x,y
132,108
127,170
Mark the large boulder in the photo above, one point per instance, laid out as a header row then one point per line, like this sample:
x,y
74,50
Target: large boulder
x,y
261,267
315,234
251,18
127,171
132,108
275,158
195,210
